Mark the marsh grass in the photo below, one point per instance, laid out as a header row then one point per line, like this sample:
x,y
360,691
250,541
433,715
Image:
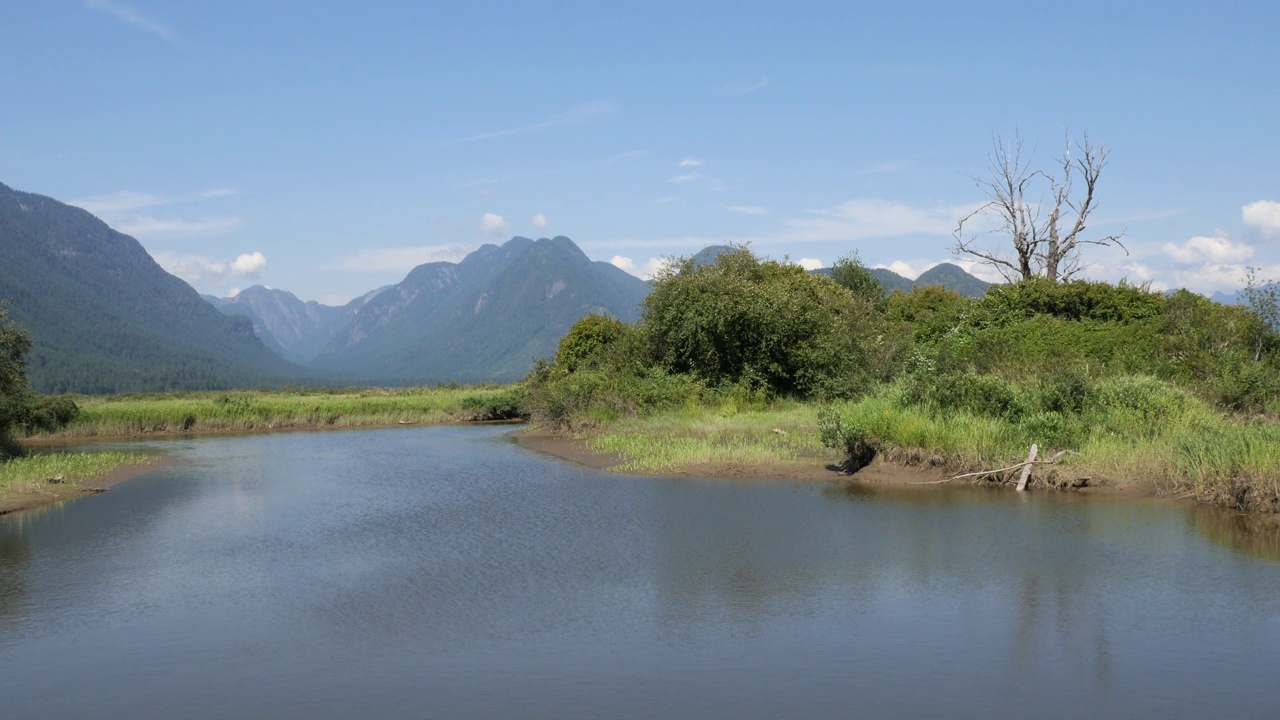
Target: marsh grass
x,y
1128,430
729,432
195,412
57,475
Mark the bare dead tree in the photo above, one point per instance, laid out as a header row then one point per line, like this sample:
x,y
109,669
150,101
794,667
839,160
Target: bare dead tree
x,y
1043,214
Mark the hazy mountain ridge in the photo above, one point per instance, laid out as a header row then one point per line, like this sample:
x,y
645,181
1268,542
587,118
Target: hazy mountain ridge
x,y
106,318
484,318
297,331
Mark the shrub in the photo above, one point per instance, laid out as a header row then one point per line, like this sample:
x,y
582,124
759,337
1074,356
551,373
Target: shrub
x,y
767,324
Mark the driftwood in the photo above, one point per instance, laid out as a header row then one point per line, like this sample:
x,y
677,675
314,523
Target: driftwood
x,y
1026,468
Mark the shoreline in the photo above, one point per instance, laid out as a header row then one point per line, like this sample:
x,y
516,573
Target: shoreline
x,y
15,502
880,473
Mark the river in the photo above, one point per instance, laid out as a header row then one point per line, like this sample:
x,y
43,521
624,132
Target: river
x,y
449,572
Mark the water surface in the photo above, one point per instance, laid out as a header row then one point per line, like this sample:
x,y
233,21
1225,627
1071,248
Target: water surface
x,y
448,572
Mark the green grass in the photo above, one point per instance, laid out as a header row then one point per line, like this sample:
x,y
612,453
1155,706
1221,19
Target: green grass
x,y
1134,430
723,434
48,477
192,412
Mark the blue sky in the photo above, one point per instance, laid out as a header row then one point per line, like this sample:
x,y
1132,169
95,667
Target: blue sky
x,y
327,148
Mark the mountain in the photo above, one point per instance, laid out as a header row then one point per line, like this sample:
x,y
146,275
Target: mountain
x,y
952,277
105,317
484,318
295,330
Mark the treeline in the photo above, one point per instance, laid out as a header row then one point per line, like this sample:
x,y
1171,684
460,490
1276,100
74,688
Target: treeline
x,y
1082,366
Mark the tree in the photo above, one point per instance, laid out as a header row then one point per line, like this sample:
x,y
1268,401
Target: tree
x,y
1262,297
19,408
764,324
853,275
14,345
1044,213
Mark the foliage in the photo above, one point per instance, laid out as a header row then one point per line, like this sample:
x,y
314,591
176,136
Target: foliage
x,y
19,408
587,341
852,275
765,323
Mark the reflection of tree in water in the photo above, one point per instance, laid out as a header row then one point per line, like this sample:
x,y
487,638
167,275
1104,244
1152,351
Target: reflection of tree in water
x,y
14,556
1254,534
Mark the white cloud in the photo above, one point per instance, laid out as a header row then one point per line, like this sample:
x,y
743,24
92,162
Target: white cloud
x,y
576,114
650,268
218,193
689,163
746,209
1213,277
200,269
686,178
399,259
903,268
248,265
131,16
809,263
539,220
1202,249
664,200
492,224
1263,215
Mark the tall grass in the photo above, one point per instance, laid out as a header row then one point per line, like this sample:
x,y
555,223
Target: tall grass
x,y
723,433
191,412
1122,430
54,476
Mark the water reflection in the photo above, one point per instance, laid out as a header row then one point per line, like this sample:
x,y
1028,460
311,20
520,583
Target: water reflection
x,y
1257,535
448,572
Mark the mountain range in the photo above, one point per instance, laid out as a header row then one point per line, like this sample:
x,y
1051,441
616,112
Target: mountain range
x,y
106,318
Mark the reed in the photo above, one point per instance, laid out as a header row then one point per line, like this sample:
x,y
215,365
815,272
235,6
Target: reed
x,y
200,412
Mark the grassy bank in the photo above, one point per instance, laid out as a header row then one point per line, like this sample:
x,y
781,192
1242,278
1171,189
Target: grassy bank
x,y
720,435
243,411
1120,431
45,478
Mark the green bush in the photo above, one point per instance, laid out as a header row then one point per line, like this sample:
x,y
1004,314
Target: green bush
x,y
767,324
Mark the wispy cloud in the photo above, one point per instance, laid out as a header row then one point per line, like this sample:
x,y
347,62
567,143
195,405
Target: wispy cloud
x,y
742,87
747,209
685,178
689,163
550,172
133,17
576,114
147,226
539,221
121,210
859,219
399,259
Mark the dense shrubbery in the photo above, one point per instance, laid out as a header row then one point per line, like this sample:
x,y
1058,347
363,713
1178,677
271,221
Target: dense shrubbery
x,y
737,326
1040,354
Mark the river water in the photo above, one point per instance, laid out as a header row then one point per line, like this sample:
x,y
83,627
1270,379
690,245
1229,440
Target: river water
x,y
449,572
